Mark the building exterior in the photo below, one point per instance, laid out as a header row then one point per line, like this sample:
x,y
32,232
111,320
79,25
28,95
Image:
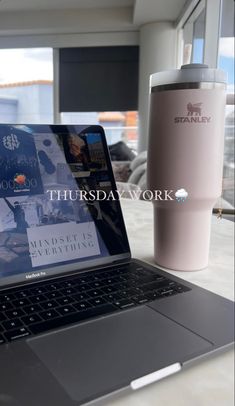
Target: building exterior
x,y
26,102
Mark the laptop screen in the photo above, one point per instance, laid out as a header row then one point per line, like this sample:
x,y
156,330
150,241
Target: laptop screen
x,y
58,207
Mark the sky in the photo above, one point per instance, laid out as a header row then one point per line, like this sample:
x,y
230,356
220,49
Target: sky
x,y
19,65
226,56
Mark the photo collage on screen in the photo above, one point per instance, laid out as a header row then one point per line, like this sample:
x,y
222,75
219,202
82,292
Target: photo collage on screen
x,y
36,231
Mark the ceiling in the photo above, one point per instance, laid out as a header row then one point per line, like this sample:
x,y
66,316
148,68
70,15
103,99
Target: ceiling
x,y
146,11
143,10
29,17
28,5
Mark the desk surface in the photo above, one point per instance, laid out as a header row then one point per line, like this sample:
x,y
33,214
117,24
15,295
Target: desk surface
x,y
209,383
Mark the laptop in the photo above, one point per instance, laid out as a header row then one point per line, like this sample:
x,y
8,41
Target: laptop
x,y
80,319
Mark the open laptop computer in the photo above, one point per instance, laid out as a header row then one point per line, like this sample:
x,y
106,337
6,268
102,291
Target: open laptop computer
x,y
79,318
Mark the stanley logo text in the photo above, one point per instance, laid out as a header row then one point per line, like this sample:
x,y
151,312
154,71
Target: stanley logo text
x,y
194,115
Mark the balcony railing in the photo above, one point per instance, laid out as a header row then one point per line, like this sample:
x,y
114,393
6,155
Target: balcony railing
x,y
129,135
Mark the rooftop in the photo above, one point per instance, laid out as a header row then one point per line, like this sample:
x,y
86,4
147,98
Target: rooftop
x,y
27,83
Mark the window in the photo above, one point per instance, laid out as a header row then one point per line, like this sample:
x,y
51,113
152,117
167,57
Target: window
x,y
199,45
198,38
226,62
26,85
119,126
94,82
194,35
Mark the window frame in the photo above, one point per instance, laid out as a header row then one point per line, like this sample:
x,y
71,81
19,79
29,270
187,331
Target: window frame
x,y
213,20
213,9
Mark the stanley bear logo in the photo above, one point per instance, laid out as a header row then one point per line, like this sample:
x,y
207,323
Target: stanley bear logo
x,y
194,109
194,115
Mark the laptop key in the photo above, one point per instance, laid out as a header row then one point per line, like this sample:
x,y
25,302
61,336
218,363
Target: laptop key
x,y
140,299
32,309
52,287
6,298
22,294
5,306
65,309
53,295
34,318
12,314
49,304
165,292
111,281
21,302
80,296
17,333
158,277
96,277
68,284
172,283
2,341
81,280
154,286
147,278
153,295
65,300
38,299
122,271
109,289
170,293
12,324
181,288
97,301
2,317
49,314
124,304
68,291
97,284
82,306
125,293
115,297
132,292
72,318
95,292
83,288
38,291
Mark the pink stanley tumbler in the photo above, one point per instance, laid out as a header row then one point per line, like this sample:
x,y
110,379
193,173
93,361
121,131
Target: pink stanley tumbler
x,y
185,159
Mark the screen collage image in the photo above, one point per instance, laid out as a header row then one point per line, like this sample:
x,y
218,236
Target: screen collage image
x,y
38,231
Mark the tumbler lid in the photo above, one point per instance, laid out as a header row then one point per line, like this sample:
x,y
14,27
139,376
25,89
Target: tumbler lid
x,y
193,72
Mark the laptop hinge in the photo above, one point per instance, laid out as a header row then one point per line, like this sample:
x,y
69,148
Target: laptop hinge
x,y
121,261
155,376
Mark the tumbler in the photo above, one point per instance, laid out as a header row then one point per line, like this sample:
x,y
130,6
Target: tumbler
x,y
185,162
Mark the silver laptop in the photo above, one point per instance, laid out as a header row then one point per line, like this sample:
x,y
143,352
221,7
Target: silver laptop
x,y
79,318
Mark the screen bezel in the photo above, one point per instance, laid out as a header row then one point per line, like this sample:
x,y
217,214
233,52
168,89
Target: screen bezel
x,y
61,270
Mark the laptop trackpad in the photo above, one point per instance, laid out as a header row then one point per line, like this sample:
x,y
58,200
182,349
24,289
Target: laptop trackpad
x,y
104,355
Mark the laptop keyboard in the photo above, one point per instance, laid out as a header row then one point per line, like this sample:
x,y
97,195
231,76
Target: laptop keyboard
x,y
48,305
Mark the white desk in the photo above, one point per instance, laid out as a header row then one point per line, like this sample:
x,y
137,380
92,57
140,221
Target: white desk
x,y
209,383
